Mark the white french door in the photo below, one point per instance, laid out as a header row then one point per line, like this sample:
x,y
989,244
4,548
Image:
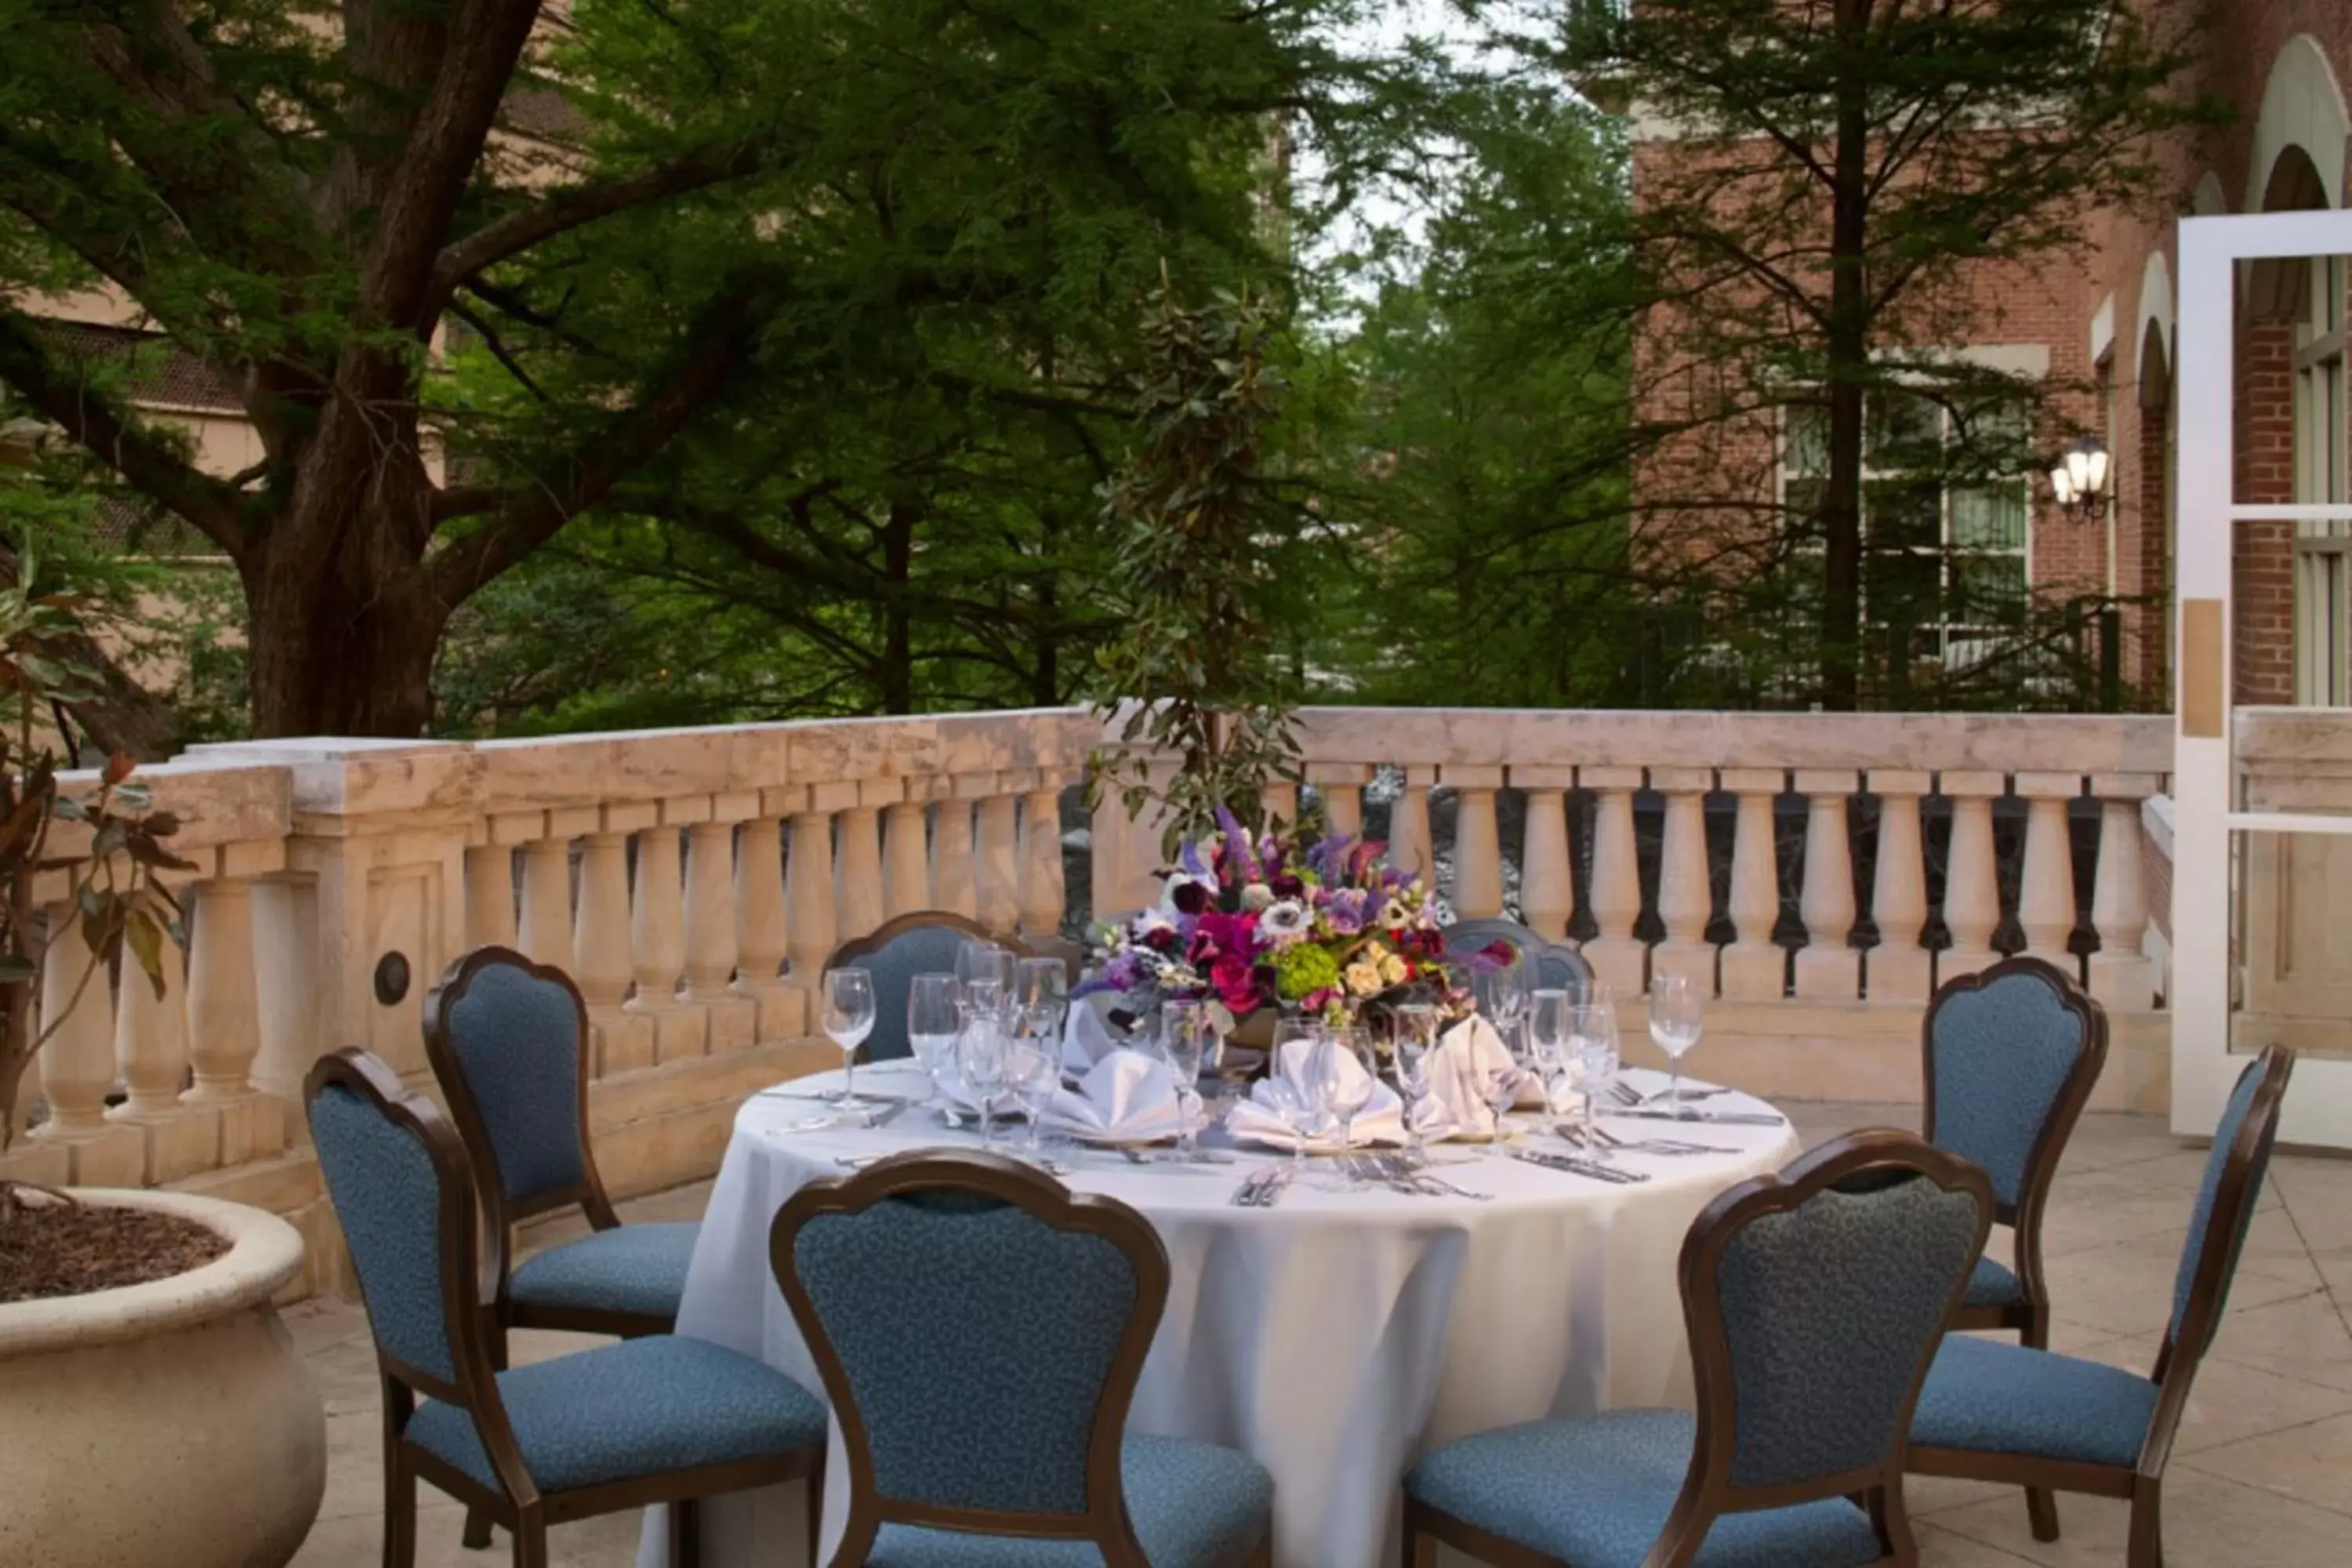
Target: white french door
x,y
2231,844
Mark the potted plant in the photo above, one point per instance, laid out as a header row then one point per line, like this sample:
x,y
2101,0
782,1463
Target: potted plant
x,y
153,1410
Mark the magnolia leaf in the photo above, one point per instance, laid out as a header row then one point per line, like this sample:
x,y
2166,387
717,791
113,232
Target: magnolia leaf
x,y
145,939
119,767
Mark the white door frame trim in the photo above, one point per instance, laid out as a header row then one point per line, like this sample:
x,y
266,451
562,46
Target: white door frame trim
x,y
2204,914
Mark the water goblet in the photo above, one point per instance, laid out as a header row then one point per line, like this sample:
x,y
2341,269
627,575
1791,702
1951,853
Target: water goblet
x,y
1593,1048
1411,1046
980,1059
981,963
1184,1031
1043,985
848,1019
1348,1083
932,1018
1677,1017
1288,1071
1033,1068
1547,1030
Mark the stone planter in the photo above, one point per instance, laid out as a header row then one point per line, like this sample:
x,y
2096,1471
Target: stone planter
x,y
170,1424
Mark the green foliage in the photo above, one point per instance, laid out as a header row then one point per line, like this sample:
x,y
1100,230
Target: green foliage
x,y
1195,676
112,891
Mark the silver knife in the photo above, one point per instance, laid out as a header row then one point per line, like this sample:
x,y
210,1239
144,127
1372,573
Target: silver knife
x,y
1718,1118
887,1115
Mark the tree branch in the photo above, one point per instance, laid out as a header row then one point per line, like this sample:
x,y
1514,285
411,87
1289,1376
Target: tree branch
x,y
566,210
117,439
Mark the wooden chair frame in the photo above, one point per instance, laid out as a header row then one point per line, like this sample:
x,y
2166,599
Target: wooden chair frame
x,y
520,1506
1104,1522
2029,1315
890,930
2142,1483
1708,1490
588,1192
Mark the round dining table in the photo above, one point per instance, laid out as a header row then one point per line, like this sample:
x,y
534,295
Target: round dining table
x,y
1335,1335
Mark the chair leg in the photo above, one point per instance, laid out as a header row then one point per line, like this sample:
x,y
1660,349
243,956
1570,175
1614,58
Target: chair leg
x,y
531,1539
815,1484
399,1512
477,1537
2042,1512
2147,1545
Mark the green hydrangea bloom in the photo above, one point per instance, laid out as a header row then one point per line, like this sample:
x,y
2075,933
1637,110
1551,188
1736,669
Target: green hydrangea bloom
x,y
1302,968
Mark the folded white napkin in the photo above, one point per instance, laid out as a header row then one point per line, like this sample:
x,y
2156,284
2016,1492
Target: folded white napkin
x,y
1125,1094
1261,1117
1087,1035
1464,1063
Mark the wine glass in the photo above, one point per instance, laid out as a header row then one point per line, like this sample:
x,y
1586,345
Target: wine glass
x,y
1548,1034
1033,1068
980,1059
1347,1082
933,1015
1502,995
1293,1101
981,998
848,1019
1184,1031
1410,1045
979,963
1592,1049
1677,1016
1043,985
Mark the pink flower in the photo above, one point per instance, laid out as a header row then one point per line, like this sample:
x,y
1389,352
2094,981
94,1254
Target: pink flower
x,y
1236,982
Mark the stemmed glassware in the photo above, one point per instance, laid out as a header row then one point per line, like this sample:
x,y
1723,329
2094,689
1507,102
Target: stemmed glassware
x,y
1032,1067
1347,1080
981,1052
1295,1092
1041,986
1677,1017
1414,1037
1548,1035
1593,1048
1184,1033
848,1019
933,1017
979,963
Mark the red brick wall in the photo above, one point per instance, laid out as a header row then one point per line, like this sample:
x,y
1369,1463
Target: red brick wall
x,y
2261,560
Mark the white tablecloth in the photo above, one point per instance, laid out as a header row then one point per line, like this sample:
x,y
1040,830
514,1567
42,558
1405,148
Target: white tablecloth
x,y
1335,1337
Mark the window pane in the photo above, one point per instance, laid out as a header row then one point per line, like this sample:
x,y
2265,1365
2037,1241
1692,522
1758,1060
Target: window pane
x,y
1904,514
1805,439
1988,518
1988,590
1907,431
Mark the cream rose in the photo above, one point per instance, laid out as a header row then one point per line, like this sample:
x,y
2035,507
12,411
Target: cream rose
x,y
1363,979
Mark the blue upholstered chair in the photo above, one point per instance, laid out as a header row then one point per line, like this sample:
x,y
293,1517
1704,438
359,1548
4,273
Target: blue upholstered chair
x,y
1999,1412
979,1331
1558,966
646,1420
507,1039
2011,1054
1814,1300
922,942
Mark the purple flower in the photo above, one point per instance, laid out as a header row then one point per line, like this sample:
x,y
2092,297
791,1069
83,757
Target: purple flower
x,y
1345,912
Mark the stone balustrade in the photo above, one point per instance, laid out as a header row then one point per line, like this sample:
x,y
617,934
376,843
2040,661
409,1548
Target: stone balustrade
x,y
1821,872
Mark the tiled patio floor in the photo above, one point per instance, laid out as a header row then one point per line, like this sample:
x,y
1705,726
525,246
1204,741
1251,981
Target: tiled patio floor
x,y
2262,1477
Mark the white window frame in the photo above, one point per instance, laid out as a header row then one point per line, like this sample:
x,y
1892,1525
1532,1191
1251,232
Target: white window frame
x,y
2322,551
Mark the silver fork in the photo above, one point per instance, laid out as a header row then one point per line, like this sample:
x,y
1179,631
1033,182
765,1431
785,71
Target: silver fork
x,y
1603,1139
1422,1180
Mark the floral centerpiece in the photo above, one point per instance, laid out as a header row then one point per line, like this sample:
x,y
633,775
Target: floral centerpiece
x,y
1270,920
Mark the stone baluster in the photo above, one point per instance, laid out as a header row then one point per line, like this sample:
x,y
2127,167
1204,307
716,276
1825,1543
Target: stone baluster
x,y
285,975
1900,968
1040,858
1548,868
1828,965
77,1065
657,936
2121,974
2045,889
489,892
727,1020
1280,802
906,858
1685,892
997,855
760,944
1341,785
1971,875
546,931
1617,957
600,962
151,1052
1409,843
224,1019
1754,967
809,884
1477,842
857,864
954,871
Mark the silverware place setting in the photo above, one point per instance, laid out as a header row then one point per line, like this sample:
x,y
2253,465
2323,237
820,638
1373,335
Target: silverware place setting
x,y
1263,1189
1703,1117
1602,1138
1575,1165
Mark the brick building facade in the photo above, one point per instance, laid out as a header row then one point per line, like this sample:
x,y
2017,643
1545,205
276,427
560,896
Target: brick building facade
x,y
2102,320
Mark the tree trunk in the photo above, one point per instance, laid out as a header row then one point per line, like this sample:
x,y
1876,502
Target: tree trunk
x,y
341,624
1848,374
